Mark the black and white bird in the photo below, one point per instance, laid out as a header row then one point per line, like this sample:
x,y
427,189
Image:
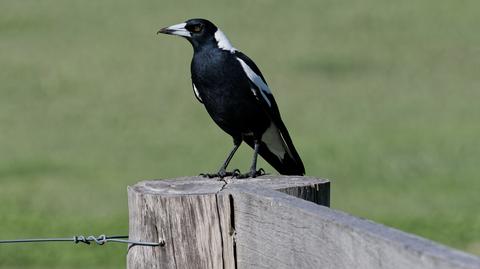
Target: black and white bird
x,y
237,97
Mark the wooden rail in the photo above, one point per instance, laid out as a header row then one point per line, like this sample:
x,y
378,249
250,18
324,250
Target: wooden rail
x,y
268,222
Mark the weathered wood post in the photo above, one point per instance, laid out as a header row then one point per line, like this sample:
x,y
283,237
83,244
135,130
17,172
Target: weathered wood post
x,y
262,223
196,218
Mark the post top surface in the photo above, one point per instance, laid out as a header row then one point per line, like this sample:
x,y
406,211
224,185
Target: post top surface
x,y
201,185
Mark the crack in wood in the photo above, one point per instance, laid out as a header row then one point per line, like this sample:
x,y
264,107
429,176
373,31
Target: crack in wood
x,y
220,221
232,214
232,228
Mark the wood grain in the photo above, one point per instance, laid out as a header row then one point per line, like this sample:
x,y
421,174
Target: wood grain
x,y
274,230
262,223
195,217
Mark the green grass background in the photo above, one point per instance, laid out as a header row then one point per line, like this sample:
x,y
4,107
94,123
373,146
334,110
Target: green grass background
x,y
382,97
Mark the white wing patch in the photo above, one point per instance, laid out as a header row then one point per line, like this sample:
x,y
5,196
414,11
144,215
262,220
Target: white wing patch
x,y
275,142
196,93
223,42
257,80
255,93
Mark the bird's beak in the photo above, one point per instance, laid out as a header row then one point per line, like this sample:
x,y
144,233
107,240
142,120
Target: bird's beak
x,y
177,29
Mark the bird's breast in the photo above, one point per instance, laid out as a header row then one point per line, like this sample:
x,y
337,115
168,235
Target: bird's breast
x,y
226,94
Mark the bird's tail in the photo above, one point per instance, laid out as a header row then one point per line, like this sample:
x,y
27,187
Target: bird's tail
x,y
278,150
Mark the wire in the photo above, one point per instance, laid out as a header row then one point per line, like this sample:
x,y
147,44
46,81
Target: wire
x,y
100,240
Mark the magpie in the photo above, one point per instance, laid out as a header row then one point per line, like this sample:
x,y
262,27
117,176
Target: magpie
x,y
237,97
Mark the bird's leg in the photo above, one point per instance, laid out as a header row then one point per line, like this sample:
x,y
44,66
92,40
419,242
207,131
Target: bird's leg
x,y
253,168
223,169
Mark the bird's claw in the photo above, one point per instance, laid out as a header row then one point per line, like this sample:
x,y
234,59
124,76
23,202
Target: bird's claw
x,y
222,174
235,173
252,174
208,175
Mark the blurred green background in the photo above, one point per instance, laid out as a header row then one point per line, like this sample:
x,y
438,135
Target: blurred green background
x,y
382,97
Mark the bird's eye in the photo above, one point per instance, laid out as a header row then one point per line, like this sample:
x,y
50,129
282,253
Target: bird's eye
x,y
197,28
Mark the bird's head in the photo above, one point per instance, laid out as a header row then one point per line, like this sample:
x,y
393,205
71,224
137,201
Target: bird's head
x,y
199,32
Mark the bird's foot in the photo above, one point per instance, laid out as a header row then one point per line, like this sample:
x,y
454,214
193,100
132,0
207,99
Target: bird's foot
x,y
222,174
252,174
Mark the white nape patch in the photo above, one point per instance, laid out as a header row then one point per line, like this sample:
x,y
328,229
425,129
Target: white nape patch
x,y
223,42
179,29
274,141
257,80
196,93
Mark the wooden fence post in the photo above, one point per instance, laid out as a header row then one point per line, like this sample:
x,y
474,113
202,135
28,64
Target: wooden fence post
x,y
195,217
255,223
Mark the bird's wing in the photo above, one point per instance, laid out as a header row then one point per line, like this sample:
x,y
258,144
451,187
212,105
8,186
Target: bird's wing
x,y
197,95
276,137
261,90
